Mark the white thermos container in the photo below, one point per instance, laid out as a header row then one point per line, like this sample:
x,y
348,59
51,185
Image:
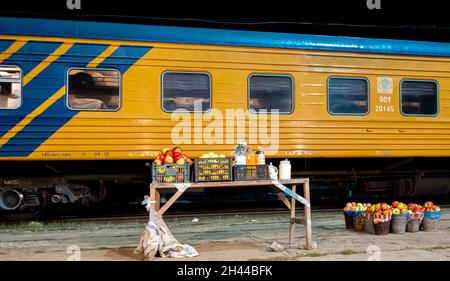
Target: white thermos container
x,y
285,170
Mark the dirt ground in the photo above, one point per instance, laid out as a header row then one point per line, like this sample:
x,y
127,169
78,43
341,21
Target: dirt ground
x,y
225,237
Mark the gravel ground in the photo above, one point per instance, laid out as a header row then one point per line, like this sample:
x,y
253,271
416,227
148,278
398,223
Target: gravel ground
x,y
225,237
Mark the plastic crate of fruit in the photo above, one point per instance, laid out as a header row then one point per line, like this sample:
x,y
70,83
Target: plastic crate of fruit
x,y
212,169
251,172
170,173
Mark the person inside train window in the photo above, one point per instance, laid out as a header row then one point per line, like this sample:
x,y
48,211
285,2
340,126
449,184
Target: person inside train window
x,y
348,95
190,91
270,92
419,97
10,87
94,89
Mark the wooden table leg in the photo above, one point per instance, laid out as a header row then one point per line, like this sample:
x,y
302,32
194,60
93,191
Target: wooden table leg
x,y
153,195
308,216
158,200
170,202
292,220
280,195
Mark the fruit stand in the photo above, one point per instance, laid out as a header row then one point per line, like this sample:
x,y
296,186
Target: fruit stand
x,y
172,169
305,220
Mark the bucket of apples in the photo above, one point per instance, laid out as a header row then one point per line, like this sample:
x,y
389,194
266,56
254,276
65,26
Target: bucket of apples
x,y
432,213
368,223
171,166
400,216
353,213
415,217
381,218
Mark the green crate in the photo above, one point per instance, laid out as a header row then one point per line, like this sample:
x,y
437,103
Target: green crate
x,y
170,173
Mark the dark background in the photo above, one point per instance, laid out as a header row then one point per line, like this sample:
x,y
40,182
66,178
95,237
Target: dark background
x,y
403,19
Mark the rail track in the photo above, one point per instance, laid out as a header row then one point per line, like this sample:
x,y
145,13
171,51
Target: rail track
x,y
144,216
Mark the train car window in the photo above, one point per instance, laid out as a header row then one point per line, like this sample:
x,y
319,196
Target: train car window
x,y
348,95
190,91
93,89
419,97
10,87
271,92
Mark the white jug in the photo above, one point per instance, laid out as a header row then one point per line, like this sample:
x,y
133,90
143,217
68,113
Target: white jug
x,y
273,172
285,170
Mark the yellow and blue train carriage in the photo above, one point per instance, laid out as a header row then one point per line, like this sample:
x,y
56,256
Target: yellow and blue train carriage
x,y
76,91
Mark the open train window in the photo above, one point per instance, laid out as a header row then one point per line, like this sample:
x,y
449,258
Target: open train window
x,y
271,92
419,97
10,87
348,96
93,89
190,91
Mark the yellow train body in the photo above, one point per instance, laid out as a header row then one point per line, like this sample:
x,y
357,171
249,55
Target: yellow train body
x,y
140,128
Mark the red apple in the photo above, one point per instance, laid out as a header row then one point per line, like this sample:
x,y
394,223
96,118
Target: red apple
x,y
168,159
177,156
394,204
177,149
169,153
161,157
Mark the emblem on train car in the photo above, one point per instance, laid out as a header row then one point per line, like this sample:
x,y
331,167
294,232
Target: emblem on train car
x,y
384,85
73,4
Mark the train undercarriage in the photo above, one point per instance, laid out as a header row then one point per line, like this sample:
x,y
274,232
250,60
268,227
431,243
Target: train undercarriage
x,y
29,188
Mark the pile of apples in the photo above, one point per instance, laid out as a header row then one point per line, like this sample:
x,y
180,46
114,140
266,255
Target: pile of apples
x,y
414,208
380,209
172,156
356,207
430,207
399,208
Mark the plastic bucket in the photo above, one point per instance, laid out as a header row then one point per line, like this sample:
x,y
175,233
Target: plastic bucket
x,y
358,223
398,224
348,221
429,224
368,226
413,225
382,228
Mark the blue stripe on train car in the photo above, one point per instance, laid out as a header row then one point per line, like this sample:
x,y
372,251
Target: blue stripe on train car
x,y
31,54
188,35
48,82
122,59
5,44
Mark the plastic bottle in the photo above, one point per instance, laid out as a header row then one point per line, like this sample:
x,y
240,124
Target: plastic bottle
x,y
285,170
239,155
260,156
250,156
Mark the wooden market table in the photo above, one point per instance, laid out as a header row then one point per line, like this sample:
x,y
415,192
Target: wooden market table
x,y
305,220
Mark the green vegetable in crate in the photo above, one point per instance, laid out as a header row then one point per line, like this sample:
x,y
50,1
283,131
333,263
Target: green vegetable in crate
x,y
212,155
